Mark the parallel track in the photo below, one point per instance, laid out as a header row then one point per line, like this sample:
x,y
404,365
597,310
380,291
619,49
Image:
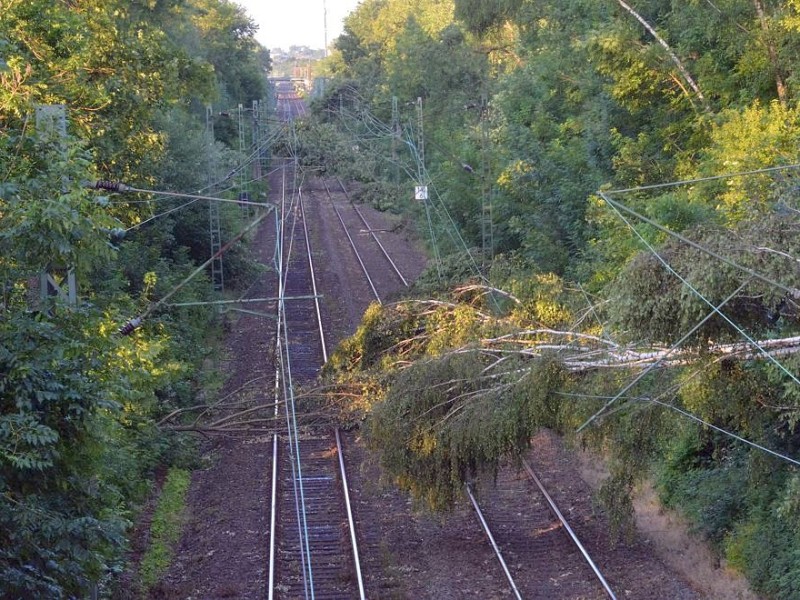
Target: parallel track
x,y
364,241
588,579
535,537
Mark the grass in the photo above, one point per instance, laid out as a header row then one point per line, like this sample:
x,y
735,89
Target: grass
x,y
165,529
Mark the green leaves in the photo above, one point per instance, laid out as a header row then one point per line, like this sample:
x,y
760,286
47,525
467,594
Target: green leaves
x,y
48,219
77,403
25,443
480,15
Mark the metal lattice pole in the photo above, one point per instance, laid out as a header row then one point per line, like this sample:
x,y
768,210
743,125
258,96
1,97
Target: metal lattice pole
x,y
257,141
243,184
396,131
420,143
487,226
215,231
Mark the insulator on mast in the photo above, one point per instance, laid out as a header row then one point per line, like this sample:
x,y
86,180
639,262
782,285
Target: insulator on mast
x,y
105,184
130,326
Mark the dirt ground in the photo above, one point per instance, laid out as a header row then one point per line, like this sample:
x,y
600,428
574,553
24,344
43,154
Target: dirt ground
x,y
669,537
408,553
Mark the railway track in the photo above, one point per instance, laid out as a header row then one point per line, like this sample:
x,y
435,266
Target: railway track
x,y
535,537
538,550
316,554
289,105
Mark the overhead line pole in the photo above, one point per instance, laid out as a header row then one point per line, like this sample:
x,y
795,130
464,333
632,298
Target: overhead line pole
x,y
215,231
325,25
487,225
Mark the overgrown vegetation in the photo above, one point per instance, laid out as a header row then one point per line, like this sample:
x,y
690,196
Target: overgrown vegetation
x,y
165,529
551,300
79,403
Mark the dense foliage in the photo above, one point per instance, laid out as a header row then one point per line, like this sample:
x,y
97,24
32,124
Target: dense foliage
x,y
78,402
629,315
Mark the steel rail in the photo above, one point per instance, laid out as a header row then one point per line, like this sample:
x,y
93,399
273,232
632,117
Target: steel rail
x,y
288,391
350,520
339,451
297,473
294,441
313,276
278,264
283,349
345,488
273,517
372,233
496,548
283,366
277,392
241,301
554,508
353,245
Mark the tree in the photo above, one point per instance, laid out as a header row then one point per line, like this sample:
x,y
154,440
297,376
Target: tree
x,y
78,402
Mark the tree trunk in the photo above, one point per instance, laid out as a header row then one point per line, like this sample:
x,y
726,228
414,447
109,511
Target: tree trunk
x,y
674,57
780,84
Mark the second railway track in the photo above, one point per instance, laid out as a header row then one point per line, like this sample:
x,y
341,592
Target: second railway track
x,y
540,553
365,242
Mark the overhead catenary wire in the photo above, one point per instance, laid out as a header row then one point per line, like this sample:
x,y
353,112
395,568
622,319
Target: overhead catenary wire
x,y
282,269
293,223
196,197
137,321
682,182
384,132
715,310
294,440
420,174
162,214
255,154
242,164
618,206
291,417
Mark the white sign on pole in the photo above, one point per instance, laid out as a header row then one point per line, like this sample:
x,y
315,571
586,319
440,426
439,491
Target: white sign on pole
x,y
421,192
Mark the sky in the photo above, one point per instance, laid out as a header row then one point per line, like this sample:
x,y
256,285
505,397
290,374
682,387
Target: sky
x,y
285,23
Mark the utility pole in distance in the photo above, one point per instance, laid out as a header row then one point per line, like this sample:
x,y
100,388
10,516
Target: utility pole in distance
x,y
215,231
325,24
